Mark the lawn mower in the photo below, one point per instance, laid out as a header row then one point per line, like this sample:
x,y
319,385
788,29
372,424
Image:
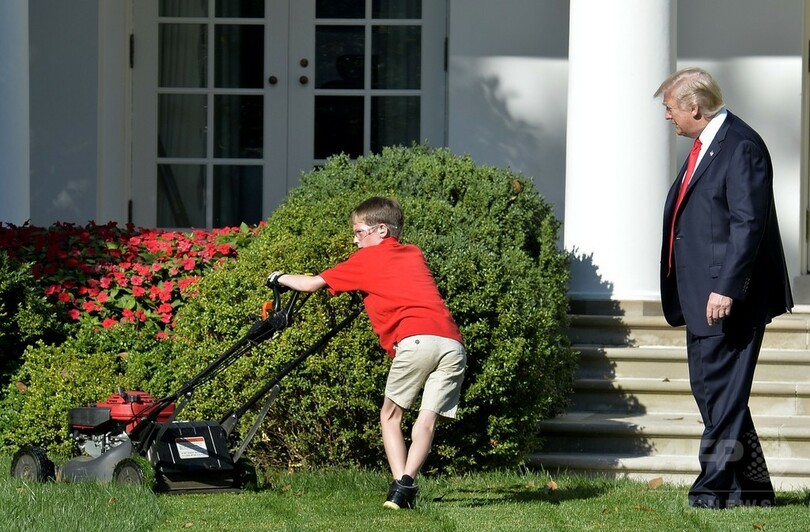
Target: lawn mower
x,y
133,438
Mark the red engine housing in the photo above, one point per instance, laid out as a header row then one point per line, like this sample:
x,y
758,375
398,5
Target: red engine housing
x,y
129,407
119,409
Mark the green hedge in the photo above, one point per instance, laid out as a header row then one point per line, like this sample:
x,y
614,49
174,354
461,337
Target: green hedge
x,y
25,315
491,242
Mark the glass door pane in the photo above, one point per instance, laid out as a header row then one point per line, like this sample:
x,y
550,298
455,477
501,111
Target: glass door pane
x,y
340,8
396,9
181,195
235,198
183,8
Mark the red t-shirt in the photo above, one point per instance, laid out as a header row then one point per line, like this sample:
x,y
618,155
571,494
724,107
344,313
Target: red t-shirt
x,y
398,290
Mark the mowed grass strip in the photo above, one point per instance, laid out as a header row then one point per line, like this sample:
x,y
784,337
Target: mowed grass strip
x,y
336,500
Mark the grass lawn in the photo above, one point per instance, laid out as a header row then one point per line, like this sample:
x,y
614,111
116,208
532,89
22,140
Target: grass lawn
x,y
336,500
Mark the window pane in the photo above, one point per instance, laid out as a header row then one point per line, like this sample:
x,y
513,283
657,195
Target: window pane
x,y
237,195
183,8
238,56
240,8
181,195
394,121
238,126
338,126
397,52
340,9
181,125
396,9
339,53
183,55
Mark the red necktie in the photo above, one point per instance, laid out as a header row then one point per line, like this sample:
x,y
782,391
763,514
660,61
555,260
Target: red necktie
x,y
690,169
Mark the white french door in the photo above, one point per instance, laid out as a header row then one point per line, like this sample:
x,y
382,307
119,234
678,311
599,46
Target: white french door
x,y
233,99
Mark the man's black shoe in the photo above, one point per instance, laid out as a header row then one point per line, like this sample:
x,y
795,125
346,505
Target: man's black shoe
x,y
704,502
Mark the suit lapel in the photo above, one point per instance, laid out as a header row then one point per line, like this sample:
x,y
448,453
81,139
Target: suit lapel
x,y
713,150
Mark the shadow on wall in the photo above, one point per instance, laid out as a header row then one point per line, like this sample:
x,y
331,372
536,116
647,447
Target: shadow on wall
x,y
522,141
500,124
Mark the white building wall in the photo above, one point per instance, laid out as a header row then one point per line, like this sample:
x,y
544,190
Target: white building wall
x,y
15,207
64,77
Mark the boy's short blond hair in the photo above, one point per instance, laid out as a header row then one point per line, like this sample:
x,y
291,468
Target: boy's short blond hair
x,y
379,210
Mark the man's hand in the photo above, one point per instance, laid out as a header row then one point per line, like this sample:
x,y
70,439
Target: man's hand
x,y
718,308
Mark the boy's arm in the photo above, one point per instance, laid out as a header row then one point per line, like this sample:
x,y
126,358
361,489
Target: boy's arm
x,y
301,283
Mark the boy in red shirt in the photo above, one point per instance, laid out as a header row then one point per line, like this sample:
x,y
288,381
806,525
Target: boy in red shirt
x,y
414,326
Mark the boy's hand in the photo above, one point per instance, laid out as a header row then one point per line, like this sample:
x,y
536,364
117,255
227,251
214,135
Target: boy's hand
x,y
272,280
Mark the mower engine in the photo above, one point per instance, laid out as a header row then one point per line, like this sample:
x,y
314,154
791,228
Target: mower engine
x,y
99,427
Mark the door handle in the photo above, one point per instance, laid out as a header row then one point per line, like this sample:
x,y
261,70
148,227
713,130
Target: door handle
x,y
303,80
272,80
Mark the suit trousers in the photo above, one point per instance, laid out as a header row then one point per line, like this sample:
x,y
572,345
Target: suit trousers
x,y
733,471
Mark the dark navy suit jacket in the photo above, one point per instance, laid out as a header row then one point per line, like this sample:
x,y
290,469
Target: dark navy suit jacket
x,y
726,237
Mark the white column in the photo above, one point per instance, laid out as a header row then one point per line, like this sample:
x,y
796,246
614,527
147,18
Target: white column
x,y
618,160
15,204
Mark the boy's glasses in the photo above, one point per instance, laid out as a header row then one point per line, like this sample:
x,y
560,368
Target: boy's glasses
x,y
360,234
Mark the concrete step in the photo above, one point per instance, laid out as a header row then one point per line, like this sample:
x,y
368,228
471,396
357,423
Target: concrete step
x,y
644,395
786,473
598,362
791,331
667,434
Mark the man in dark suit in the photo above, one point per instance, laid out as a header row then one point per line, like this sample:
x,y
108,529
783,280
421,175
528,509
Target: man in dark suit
x,y
723,275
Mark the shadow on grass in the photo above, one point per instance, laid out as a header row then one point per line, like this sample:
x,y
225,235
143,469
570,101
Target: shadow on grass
x,y
793,498
488,496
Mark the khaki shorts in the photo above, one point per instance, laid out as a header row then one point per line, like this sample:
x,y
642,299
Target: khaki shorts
x,y
434,363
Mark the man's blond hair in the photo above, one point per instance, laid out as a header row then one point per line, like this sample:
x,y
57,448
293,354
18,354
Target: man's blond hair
x,y
693,86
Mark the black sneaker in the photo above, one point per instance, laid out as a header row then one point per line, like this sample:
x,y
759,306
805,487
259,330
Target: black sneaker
x,y
400,497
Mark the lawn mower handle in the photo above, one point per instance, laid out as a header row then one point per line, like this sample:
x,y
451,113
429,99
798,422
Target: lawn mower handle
x,y
261,330
272,388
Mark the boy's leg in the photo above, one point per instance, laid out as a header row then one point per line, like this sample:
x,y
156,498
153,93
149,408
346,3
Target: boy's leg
x,y
403,460
399,495
393,440
421,441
